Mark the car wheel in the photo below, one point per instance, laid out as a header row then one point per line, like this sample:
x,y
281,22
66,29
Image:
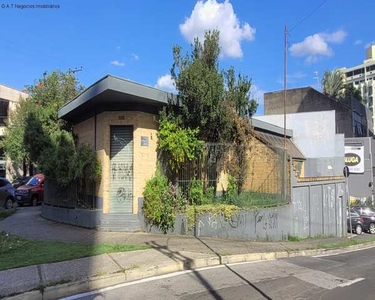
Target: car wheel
x,y
371,228
358,229
34,201
9,203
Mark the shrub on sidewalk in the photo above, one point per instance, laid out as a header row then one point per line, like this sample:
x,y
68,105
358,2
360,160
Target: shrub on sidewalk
x,y
162,201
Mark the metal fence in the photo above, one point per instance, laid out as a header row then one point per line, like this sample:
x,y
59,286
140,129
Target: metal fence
x,y
74,196
258,181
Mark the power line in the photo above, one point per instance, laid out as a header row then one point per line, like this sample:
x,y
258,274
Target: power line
x,y
309,15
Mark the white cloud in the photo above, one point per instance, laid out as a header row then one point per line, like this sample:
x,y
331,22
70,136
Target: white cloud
x,y
117,63
118,47
357,42
369,44
316,46
166,83
135,56
209,15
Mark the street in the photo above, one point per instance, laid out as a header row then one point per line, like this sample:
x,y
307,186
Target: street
x,y
344,276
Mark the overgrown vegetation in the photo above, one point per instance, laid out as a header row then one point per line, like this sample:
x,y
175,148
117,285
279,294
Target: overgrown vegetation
x,y
194,211
161,202
37,137
213,107
19,252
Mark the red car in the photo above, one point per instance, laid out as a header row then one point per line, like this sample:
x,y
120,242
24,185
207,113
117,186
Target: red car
x,y
32,192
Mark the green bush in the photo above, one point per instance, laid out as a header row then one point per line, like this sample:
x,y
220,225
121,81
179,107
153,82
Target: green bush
x,y
197,194
232,190
162,201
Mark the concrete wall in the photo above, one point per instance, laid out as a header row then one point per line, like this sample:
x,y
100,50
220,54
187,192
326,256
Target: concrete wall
x,y
309,100
314,134
78,217
317,209
145,157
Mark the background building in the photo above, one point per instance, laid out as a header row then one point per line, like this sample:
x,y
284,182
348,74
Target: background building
x,y
315,136
363,77
352,118
9,98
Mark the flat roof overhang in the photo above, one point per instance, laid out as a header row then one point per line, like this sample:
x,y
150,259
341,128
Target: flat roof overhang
x,y
115,94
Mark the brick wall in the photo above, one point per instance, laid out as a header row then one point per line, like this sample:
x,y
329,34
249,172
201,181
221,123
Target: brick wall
x,y
85,132
265,168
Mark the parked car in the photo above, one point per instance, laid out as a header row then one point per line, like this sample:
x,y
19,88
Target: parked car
x,y
6,194
20,181
357,222
364,210
368,215
32,192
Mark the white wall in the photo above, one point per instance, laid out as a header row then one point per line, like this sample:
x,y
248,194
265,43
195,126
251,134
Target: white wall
x,y
314,133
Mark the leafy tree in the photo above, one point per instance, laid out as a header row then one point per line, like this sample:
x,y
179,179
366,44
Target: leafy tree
x,y
36,132
352,92
333,83
14,135
201,89
50,93
238,93
216,103
177,145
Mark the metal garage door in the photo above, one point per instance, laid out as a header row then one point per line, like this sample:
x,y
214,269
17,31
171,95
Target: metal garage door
x,y
121,182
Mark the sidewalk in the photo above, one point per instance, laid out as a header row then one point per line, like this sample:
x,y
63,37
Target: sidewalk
x,y
167,254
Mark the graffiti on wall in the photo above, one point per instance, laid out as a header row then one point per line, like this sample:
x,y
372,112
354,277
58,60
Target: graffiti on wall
x,y
123,195
122,171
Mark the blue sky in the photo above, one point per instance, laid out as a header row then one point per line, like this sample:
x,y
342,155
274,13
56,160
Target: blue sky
x,y
133,39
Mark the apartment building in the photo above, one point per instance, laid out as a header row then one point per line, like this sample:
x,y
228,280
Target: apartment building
x,y
9,97
363,77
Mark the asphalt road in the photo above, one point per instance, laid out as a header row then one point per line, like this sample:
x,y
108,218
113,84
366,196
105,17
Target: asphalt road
x,y
344,276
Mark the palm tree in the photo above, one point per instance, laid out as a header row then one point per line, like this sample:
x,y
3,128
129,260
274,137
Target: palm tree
x,y
333,83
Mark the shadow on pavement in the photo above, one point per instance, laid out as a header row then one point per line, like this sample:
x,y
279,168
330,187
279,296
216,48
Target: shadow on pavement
x,y
177,256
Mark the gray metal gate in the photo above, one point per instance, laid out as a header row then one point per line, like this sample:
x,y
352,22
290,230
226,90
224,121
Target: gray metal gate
x,y
121,182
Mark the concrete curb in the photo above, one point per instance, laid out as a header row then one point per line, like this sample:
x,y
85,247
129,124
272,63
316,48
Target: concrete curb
x,y
95,283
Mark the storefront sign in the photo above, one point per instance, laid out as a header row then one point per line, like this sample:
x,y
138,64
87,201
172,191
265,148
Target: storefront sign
x,y
354,159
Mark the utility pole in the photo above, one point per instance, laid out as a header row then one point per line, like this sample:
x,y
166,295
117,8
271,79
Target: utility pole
x,y
285,87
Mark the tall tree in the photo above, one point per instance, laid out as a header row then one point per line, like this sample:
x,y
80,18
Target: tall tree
x,y
36,117
209,97
215,103
333,83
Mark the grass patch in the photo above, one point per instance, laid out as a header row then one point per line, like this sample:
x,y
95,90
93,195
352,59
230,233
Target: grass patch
x,y
257,200
292,238
19,252
6,213
42,287
344,244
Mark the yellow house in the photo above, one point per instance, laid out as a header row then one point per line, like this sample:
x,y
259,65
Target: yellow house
x,y
118,119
